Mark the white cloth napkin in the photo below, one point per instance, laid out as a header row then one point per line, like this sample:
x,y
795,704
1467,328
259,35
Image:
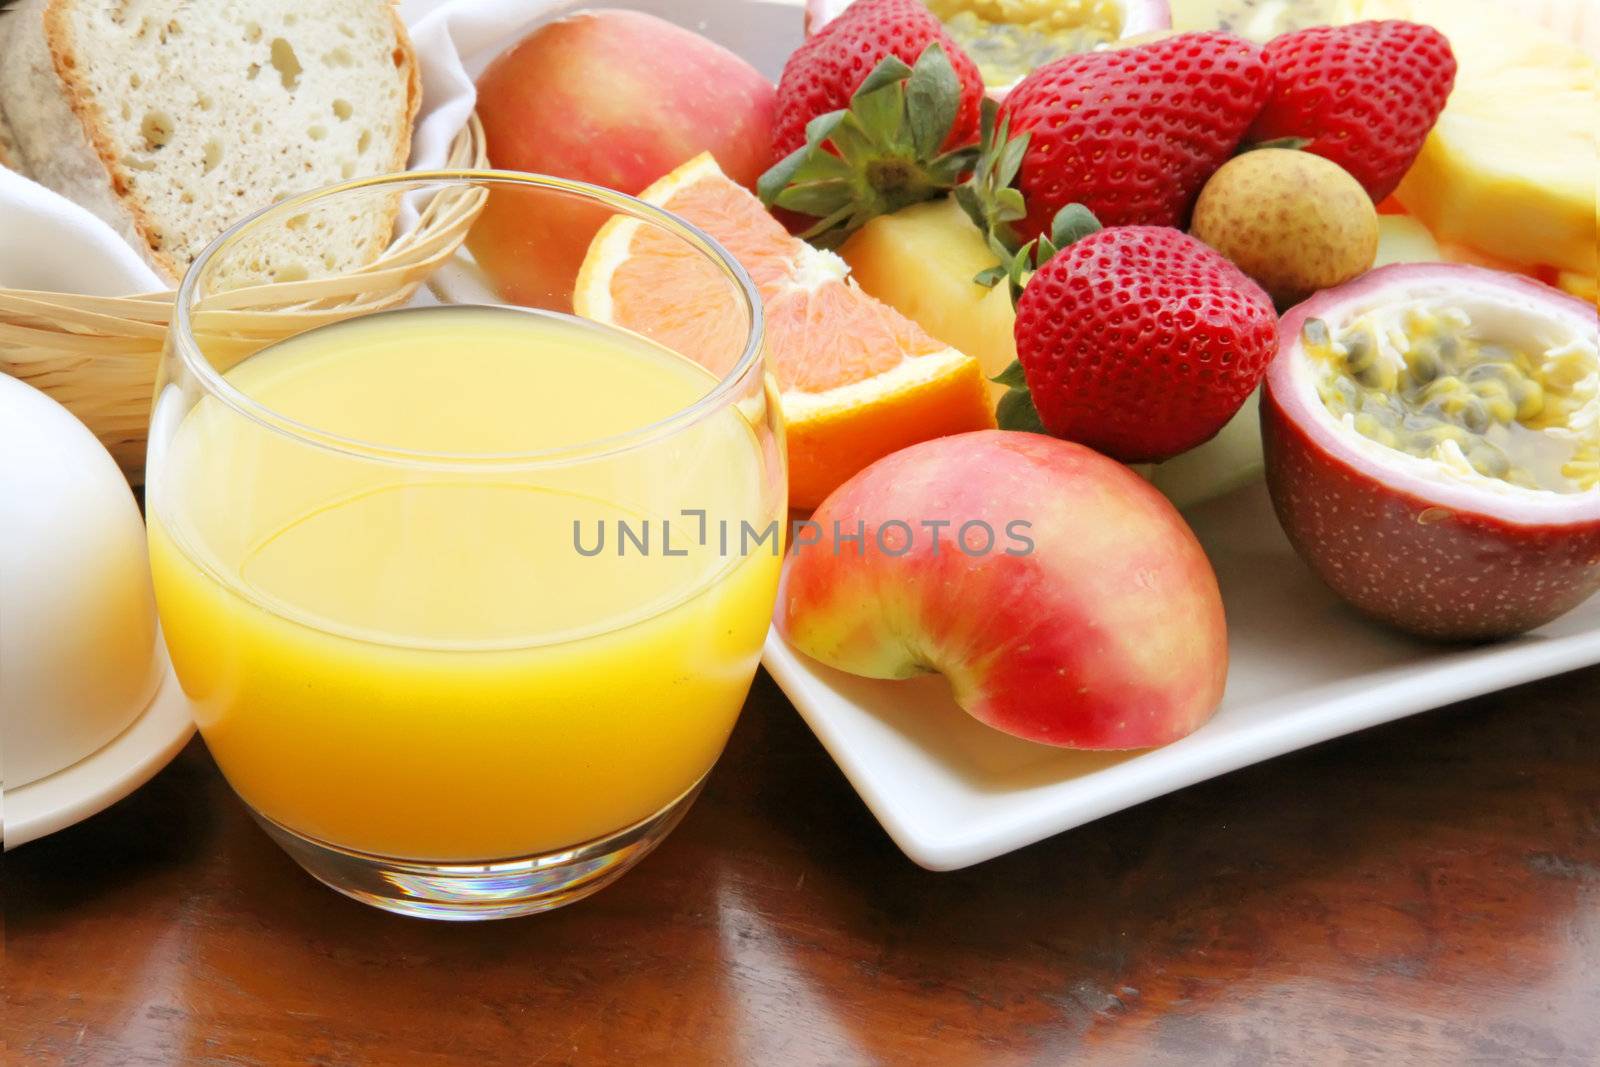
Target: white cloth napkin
x,y
49,243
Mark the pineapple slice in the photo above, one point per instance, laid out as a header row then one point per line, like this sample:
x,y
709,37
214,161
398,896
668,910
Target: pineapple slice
x,y
921,261
1402,239
1582,286
1510,168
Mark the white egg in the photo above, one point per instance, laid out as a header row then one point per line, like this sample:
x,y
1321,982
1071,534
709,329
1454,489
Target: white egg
x,y
78,634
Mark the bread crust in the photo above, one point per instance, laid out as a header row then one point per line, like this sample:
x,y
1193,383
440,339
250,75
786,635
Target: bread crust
x,y
63,140
50,137
406,56
92,123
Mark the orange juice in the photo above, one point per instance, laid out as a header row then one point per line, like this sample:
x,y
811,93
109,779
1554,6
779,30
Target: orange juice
x,y
401,650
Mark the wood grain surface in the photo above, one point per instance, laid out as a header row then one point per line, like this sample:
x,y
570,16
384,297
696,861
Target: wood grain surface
x,y
1426,892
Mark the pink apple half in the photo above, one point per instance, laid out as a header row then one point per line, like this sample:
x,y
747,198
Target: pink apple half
x,y
1107,634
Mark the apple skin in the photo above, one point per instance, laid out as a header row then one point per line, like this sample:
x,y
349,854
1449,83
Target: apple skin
x,y
1108,634
619,98
615,98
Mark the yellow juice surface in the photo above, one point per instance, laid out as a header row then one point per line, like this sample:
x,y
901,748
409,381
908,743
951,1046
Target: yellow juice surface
x,y
411,656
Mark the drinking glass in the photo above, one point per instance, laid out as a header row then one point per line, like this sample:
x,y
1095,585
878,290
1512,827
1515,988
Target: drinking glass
x,y
466,582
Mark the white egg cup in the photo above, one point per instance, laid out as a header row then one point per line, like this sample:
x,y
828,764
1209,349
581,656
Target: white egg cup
x,y
106,775
89,709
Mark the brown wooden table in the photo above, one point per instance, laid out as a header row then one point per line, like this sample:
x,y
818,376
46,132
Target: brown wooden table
x,y
1426,892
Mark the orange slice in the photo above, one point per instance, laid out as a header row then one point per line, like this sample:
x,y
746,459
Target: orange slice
x,y
858,379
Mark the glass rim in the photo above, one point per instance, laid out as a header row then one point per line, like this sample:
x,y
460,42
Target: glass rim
x,y
215,383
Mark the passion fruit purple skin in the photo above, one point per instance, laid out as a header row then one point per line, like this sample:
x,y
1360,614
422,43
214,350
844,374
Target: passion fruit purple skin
x,y
1138,17
1440,559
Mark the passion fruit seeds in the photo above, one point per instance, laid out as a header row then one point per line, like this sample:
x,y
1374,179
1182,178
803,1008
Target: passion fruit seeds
x,y
1431,386
1377,421
1009,39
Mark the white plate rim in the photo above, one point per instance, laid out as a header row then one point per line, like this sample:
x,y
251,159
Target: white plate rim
x,y
104,777
1172,767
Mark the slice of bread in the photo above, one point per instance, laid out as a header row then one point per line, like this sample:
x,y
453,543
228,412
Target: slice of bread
x,y
172,119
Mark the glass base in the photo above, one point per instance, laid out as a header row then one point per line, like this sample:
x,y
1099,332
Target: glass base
x,y
468,892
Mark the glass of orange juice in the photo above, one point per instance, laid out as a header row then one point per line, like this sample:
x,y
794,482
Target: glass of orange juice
x,y
466,587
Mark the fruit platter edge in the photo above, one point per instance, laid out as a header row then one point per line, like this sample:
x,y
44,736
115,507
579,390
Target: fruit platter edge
x,y
1304,668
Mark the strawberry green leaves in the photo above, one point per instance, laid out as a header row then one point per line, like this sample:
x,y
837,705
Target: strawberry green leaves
x,y
990,200
932,99
882,153
987,196
1015,410
1072,223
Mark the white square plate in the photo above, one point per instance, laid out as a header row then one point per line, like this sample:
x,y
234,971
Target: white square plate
x,y
953,792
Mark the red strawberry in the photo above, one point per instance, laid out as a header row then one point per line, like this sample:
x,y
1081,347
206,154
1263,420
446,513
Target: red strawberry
x,y
822,74
1134,133
1364,95
1140,342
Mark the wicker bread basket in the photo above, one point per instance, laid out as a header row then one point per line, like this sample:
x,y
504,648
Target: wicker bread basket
x,y
98,355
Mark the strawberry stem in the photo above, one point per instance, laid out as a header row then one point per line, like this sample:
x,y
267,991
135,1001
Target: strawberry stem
x,y
882,153
1016,410
987,196
993,204
1072,223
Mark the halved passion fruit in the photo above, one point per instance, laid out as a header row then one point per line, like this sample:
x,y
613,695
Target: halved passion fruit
x,y
1432,438
1009,38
